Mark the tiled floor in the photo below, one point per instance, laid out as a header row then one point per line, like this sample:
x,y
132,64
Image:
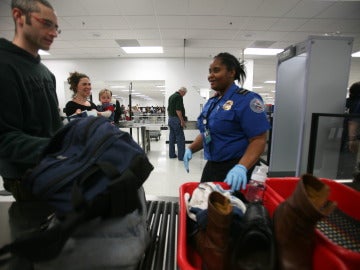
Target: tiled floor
x,y
168,174
5,198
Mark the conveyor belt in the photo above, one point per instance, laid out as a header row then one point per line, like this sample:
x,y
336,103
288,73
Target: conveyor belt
x,y
162,220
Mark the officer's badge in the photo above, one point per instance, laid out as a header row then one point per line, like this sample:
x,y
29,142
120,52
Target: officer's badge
x,y
227,105
257,105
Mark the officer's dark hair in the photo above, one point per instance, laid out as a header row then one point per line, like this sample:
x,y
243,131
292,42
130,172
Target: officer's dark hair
x,y
232,63
354,90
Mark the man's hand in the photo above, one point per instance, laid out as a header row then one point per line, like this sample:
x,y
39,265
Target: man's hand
x,y
182,123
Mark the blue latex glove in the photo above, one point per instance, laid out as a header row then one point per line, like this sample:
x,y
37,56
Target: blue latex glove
x,y
187,157
236,177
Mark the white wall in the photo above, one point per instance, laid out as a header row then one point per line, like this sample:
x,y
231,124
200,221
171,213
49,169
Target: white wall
x,y
176,72
173,71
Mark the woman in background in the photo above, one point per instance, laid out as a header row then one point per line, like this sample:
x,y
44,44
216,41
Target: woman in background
x,y
81,86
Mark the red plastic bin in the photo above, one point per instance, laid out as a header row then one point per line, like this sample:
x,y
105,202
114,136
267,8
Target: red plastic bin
x,y
278,189
188,259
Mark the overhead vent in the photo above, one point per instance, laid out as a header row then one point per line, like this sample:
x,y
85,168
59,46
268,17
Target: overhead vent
x,y
127,42
261,44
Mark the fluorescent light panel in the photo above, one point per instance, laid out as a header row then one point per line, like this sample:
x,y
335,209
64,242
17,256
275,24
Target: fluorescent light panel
x,y
357,54
117,86
132,50
266,51
262,51
41,52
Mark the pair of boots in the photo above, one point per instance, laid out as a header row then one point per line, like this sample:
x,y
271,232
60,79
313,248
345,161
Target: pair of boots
x,y
295,220
252,249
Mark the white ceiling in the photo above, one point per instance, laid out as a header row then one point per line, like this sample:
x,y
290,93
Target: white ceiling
x,y
196,28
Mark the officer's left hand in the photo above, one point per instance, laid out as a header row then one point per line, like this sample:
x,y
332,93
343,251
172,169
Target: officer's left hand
x,y
236,177
186,158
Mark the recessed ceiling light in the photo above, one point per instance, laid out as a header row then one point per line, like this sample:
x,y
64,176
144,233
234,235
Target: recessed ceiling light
x,y
41,52
257,87
356,54
130,50
270,82
117,86
262,51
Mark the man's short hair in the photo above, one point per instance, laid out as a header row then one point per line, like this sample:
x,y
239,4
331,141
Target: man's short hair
x,y
183,89
28,6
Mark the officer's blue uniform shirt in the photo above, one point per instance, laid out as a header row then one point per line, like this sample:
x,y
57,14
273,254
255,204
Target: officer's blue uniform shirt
x,y
232,120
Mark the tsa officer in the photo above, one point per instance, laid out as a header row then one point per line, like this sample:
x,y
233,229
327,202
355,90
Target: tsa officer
x,y
232,125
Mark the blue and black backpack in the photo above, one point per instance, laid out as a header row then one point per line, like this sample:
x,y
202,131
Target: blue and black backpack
x,y
89,169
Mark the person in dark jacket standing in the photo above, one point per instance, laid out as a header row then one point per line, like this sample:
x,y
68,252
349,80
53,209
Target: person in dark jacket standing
x,y
348,167
176,122
353,104
30,110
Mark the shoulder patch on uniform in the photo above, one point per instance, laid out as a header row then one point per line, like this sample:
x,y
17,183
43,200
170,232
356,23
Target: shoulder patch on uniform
x,y
257,105
242,91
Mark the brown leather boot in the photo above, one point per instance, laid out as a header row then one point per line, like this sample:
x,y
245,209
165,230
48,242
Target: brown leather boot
x,y
213,242
295,220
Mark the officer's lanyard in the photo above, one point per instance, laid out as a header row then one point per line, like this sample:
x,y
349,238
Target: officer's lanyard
x,y
212,107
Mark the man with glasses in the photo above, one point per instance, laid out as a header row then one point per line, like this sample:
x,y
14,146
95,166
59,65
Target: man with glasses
x,y
29,114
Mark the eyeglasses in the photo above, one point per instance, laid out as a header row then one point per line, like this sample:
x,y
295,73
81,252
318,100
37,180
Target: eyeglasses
x,y
48,24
